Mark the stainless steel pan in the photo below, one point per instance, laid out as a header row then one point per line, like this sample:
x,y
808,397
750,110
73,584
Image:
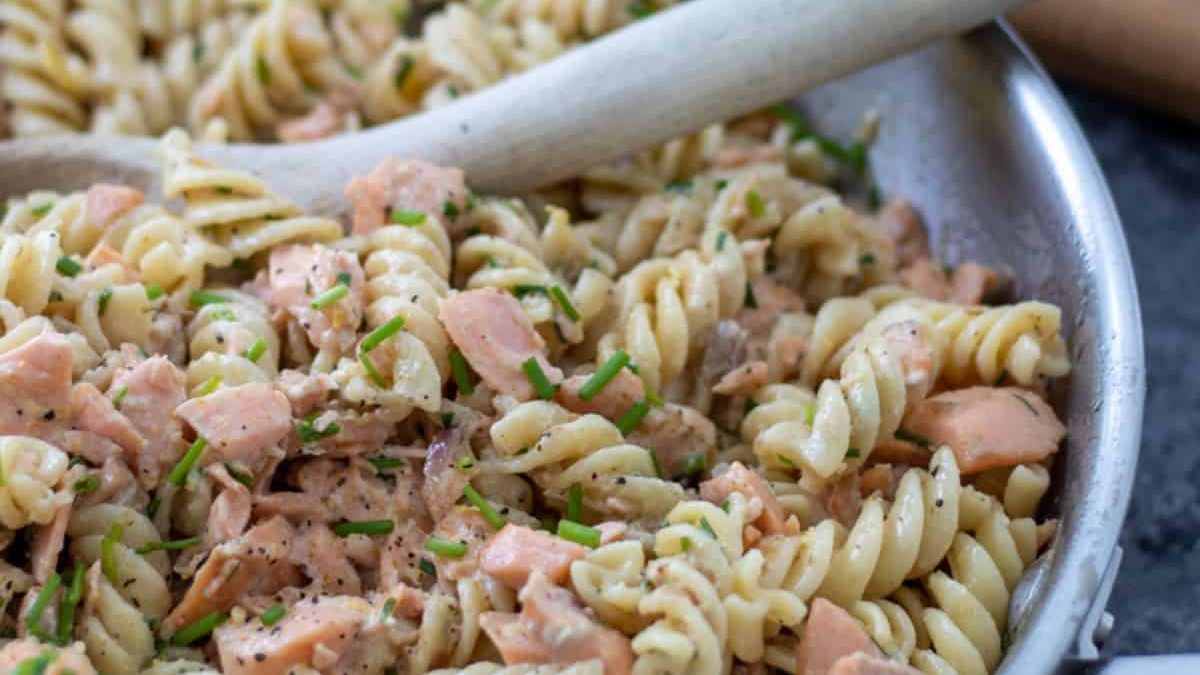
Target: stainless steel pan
x,y
979,138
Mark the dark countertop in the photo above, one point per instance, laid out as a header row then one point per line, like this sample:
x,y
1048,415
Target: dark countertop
x,y
1153,167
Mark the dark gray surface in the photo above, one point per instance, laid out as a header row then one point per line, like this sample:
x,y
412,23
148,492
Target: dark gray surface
x,y
1153,167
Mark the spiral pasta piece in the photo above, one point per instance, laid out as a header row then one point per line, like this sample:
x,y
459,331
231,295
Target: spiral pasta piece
x,y
43,82
238,209
670,306
27,269
123,587
609,581
285,51
407,270
885,545
853,414
571,19
560,449
220,335
32,471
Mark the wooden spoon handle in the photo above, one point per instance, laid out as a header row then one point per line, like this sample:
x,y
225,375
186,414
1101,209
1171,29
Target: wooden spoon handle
x,y
702,62
1148,50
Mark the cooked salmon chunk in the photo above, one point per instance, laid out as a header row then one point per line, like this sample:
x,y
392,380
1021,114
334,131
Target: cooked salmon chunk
x,y
988,427
515,552
405,184
830,633
496,337
241,423
740,479
311,634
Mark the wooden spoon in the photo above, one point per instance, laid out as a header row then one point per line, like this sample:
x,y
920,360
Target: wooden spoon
x,y
701,62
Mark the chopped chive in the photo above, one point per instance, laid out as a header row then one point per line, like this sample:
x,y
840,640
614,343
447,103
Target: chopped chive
x,y
522,290
874,198
633,368
427,567
273,614
354,71
920,441
679,186
450,210
721,237
263,69
382,463
224,190
725,506
199,629
749,405
86,484
68,267
707,527
372,372
37,665
105,297
66,608
256,350
447,419
564,302
202,298
344,278
639,9
485,509
176,545
810,414
120,396
580,534
407,217
240,476
54,296
653,398
42,209
210,385
39,606
658,472
685,544
452,90
462,377
377,336
754,204
853,453
867,259
548,524
720,184
152,507
465,464
633,417
575,503
153,292
750,300
222,314
345,529
108,560
785,460
179,474
389,608
405,67
537,377
445,547
198,51
337,292
695,465
604,375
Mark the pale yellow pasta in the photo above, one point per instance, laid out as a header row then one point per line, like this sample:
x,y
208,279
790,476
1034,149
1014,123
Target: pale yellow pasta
x,y
43,81
235,207
27,269
562,449
689,629
609,582
219,337
407,270
32,471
